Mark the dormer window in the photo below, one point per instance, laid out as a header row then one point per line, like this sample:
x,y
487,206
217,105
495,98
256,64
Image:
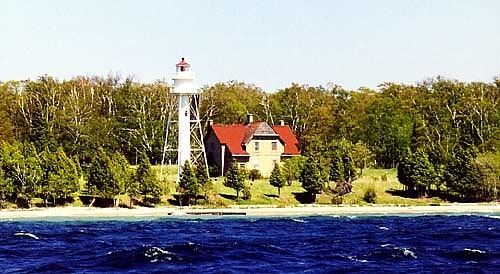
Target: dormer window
x,y
256,146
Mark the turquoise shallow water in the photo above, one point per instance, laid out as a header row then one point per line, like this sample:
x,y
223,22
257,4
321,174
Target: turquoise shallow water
x,y
317,244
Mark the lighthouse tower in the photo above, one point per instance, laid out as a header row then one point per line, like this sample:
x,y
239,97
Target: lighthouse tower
x,y
190,136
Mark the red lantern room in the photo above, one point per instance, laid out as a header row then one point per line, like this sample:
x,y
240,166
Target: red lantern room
x,y
182,65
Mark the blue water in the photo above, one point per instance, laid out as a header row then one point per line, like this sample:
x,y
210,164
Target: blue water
x,y
319,244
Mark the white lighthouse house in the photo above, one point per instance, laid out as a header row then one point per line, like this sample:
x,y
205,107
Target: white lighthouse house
x,y
190,139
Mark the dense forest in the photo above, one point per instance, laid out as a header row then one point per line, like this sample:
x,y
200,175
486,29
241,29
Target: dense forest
x,y
442,135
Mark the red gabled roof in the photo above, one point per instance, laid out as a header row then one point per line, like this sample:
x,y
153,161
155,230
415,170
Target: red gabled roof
x,y
287,137
250,131
231,136
234,136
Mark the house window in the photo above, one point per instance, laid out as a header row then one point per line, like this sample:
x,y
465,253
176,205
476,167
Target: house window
x,y
275,162
242,166
256,163
274,146
256,146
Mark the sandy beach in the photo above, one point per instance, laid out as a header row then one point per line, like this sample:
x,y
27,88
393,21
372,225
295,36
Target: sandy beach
x,y
85,212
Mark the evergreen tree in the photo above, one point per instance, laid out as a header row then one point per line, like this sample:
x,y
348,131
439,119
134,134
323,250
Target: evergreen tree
x,y
235,178
202,175
60,176
461,175
311,178
102,179
416,172
146,180
188,182
277,179
337,170
121,172
207,186
422,174
404,171
6,187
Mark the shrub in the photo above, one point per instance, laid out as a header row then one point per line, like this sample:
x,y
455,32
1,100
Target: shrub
x,y
254,174
370,195
337,200
435,201
246,193
383,178
213,171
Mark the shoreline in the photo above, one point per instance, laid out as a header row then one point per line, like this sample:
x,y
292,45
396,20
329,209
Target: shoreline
x,y
254,210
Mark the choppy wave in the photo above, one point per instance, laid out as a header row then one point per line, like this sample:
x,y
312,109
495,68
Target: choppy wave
x,y
388,244
26,234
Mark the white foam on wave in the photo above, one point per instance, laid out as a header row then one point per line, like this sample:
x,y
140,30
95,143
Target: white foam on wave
x,y
299,221
383,228
385,245
154,253
353,258
475,250
493,216
27,234
408,252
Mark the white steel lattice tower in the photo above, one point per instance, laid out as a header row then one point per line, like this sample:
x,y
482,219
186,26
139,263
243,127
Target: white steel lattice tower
x,y
190,145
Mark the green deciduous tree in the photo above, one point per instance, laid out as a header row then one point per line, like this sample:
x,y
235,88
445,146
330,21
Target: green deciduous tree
x,y
7,103
488,168
292,168
22,170
228,103
361,156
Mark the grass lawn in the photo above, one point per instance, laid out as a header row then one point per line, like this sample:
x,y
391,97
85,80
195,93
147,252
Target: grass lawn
x,y
373,178
262,193
265,194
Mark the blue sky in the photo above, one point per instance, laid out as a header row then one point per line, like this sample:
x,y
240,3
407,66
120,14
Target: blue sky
x,y
268,43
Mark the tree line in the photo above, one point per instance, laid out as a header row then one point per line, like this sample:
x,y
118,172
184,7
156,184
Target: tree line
x,y
56,179
430,130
